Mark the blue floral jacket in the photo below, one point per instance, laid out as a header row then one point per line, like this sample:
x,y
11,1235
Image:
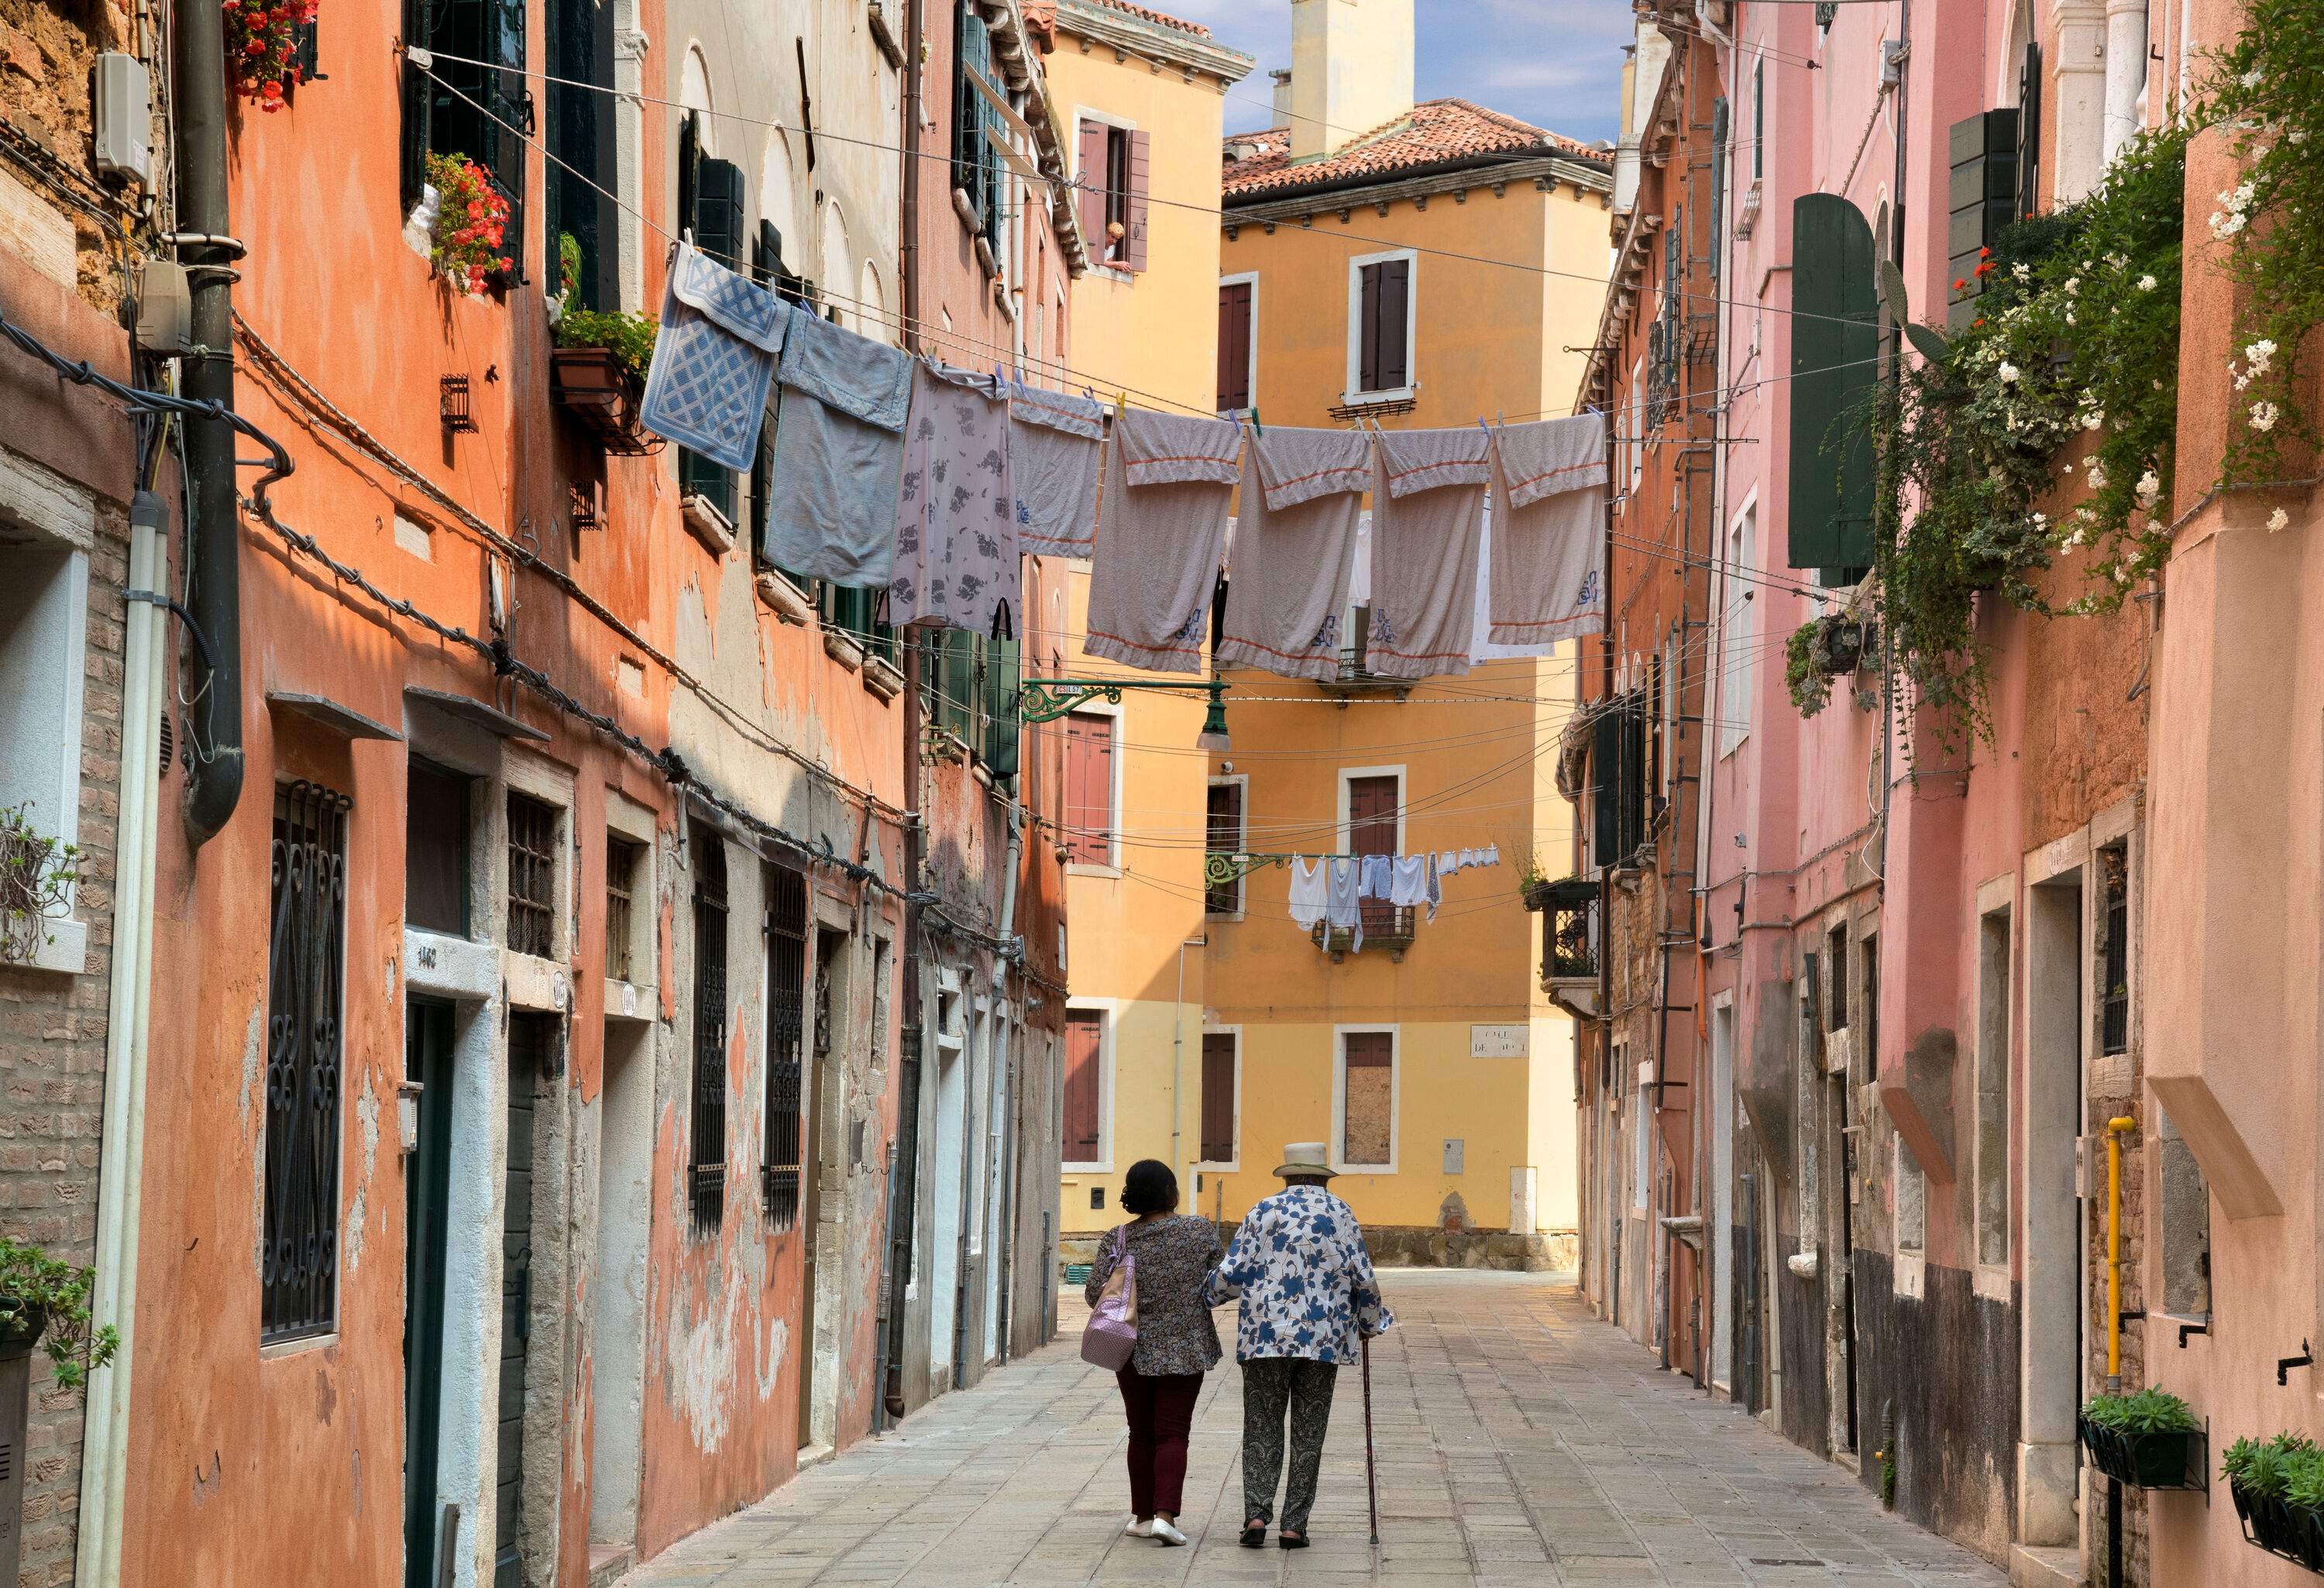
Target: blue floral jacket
x,y
1299,1265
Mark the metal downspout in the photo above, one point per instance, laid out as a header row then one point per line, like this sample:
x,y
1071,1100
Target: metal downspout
x,y
213,570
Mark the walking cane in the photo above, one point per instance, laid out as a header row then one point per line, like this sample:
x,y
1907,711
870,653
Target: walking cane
x,y
1371,1471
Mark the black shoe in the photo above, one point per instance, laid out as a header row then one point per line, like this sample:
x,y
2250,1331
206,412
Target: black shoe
x,y
1254,1537
1291,1540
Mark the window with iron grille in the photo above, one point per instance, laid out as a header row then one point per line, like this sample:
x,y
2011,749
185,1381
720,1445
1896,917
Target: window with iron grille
x,y
785,1022
706,1162
1836,955
306,948
2114,982
531,876
621,858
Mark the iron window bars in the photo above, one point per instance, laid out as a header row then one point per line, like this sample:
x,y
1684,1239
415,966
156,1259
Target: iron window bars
x,y
305,953
2114,986
707,1161
531,876
786,1020
621,877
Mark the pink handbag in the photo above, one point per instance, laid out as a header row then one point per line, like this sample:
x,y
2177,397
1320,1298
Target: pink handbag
x,y
1112,1337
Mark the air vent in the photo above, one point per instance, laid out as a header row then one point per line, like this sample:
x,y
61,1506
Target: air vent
x,y
169,742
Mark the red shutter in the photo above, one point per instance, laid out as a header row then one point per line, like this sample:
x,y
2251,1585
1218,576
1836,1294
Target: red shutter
x,y
1371,830
1218,1097
1089,203
1394,312
1367,313
1084,1079
1234,347
1089,788
1141,145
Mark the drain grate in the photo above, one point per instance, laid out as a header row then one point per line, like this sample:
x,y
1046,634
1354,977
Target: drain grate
x,y
1769,1560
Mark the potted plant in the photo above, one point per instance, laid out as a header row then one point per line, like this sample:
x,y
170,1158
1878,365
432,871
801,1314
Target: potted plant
x,y
1821,650
2261,1477
2145,1440
1533,885
597,371
45,1302
471,222
36,877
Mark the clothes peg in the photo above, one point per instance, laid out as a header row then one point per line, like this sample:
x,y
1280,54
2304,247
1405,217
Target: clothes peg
x,y
1255,428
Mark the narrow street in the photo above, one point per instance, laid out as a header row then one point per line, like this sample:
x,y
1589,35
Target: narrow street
x,y
1520,1442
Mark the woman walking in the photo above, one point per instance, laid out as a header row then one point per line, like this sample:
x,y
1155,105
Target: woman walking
x,y
1178,1344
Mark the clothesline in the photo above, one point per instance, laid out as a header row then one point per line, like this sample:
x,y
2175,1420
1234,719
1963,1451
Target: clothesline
x,y
1331,892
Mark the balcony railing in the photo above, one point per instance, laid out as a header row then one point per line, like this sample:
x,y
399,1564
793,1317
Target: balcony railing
x,y
1387,929
1569,945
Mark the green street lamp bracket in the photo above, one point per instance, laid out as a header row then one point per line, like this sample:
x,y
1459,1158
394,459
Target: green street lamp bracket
x,y
1044,700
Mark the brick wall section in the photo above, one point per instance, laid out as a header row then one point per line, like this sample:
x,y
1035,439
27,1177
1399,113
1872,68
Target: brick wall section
x,y
53,1036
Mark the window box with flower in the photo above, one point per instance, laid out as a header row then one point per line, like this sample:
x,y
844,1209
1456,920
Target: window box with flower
x,y
470,229
597,371
262,48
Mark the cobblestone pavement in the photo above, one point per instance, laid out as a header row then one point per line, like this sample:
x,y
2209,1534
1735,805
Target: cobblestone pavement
x,y
1520,1442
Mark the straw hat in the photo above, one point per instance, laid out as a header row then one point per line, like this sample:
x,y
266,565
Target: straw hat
x,y
1305,1158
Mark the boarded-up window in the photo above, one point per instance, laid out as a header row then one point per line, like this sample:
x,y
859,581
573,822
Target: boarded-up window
x,y
1371,830
1383,317
1226,840
1089,788
1367,1118
1218,1097
1234,345
1084,1077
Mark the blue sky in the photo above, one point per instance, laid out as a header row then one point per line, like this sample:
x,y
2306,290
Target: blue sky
x,y
1555,63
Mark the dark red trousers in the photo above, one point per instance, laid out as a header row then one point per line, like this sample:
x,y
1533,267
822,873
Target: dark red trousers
x,y
1161,1415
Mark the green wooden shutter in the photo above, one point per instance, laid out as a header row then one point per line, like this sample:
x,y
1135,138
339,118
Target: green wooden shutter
x,y
1982,202
1718,119
1835,340
1000,662
1605,784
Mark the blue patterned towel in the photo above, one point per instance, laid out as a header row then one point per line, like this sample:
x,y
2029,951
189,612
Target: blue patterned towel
x,y
714,359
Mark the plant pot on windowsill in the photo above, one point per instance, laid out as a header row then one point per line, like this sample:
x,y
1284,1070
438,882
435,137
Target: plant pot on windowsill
x,y
598,390
1535,895
21,1328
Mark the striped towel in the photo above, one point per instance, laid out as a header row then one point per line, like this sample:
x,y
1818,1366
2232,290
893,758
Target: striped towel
x,y
1428,518
1548,574
1294,550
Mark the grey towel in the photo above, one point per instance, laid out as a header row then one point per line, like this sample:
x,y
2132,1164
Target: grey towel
x,y
1548,574
839,446
1428,512
1057,448
1293,551
1161,532
956,560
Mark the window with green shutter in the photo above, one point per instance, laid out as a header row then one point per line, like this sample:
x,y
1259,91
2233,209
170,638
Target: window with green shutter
x,y
1835,350
478,111
999,703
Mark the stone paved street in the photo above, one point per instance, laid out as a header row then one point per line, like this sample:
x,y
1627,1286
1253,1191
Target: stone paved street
x,y
1520,1442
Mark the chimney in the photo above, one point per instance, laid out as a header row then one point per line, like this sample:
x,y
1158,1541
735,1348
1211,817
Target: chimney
x,y
1282,98
1350,70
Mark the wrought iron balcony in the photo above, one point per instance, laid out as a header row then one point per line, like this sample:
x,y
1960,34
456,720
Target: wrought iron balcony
x,y
1387,929
1568,945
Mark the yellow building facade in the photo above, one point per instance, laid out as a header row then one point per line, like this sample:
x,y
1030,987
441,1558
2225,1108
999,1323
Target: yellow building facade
x,y
1405,265
1142,98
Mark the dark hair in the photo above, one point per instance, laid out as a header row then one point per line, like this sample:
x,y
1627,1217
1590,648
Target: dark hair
x,y
1149,1186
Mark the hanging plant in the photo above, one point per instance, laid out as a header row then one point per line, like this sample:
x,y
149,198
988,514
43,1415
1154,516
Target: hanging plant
x,y
2265,92
1821,650
261,47
471,218
2048,425
44,1299
36,877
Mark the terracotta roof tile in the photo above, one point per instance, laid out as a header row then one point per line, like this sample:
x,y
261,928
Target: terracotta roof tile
x,y
1437,132
1143,14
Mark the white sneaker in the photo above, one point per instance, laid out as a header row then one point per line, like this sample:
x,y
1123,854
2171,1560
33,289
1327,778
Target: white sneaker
x,y
1167,1531
1137,1529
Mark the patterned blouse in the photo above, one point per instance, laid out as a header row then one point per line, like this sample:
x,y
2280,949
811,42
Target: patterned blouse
x,y
1299,1264
1174,1256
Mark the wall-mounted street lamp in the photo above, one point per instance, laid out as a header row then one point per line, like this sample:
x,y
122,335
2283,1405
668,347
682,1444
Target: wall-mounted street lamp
x,y
1043,700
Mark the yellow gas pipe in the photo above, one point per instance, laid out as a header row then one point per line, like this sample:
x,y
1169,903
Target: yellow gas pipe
x,y
2114,1128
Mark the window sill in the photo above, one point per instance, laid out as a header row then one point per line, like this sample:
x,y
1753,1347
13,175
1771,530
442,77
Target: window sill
x,y
785,599
65,953
1375,399
1086,868
882,678
299,1347
534,982
707,524
842,649
627,1000
1229,1166
1104,1168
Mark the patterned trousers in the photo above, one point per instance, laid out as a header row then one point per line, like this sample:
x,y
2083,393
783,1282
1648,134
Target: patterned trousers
x,y
1273,1386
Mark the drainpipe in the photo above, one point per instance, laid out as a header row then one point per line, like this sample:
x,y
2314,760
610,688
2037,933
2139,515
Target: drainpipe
x,y
105,1449
2114,1128
1177,1045
1010,1191
214,583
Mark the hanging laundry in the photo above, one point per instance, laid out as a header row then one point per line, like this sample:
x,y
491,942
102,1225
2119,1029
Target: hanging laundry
x,y
839,445
1468,859
714,358
1057,449
1489,855
1161,534
1449,861
1548,574
1409,884
1436,886
1377,877
956,560
1482,648
1429,507
1294,548
1308,894
1341,913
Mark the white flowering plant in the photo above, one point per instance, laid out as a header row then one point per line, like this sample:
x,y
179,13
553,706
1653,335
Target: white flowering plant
x,y
2265,93
2045,426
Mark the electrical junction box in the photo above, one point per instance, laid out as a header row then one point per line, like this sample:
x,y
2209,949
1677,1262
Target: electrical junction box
x,y
165,308
122,96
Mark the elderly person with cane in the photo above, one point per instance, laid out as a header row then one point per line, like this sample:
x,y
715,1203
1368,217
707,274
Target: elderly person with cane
x,y
1309,1301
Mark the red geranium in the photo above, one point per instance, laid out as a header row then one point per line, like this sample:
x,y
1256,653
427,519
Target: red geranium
x,y
262,47
470,217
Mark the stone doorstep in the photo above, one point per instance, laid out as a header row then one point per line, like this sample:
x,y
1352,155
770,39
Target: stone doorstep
x,y
609,1564
2042,1566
